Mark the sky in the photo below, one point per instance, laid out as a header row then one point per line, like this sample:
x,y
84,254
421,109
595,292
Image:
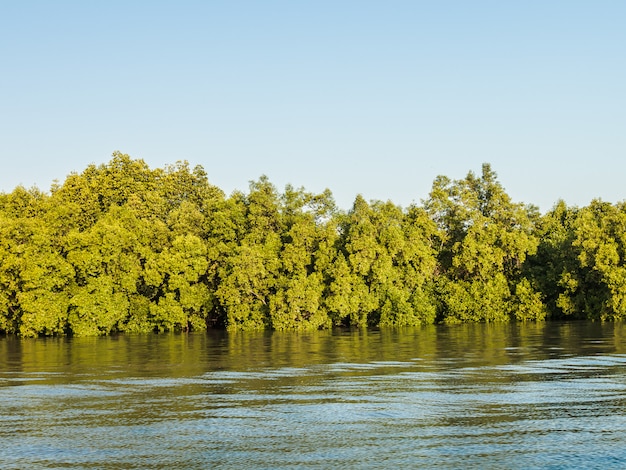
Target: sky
x,y
362,97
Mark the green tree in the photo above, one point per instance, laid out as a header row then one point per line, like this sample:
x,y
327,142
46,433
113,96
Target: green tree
x,y
411,294
108,260
599,285
487,239
385,276
176,273
33,272
555,267
297,301
249,271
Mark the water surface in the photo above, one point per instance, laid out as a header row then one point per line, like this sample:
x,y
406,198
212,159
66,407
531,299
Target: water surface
x,y
471,396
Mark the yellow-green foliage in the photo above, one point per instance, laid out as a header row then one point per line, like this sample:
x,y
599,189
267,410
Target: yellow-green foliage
x,y
122,247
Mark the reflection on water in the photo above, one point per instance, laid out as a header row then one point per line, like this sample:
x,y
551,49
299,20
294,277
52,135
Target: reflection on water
x,y
473,396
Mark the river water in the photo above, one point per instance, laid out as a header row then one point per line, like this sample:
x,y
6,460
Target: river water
x,y
469,396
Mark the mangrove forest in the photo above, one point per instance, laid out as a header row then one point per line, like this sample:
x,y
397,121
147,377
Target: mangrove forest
x,y
122,247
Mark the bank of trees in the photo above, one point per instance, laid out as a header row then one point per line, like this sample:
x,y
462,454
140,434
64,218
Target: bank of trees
x,y
122,247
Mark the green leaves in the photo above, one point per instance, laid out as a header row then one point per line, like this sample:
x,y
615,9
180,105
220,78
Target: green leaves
x,y
177,273
390,264
600,232
121,247
487,240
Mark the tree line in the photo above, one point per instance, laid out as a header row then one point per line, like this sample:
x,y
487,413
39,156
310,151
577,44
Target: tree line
x,y
122,247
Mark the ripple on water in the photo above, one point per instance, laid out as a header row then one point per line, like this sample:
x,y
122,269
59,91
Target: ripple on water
x,y
511,409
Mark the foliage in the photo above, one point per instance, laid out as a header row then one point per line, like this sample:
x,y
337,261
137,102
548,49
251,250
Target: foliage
x,y
121,247
486,240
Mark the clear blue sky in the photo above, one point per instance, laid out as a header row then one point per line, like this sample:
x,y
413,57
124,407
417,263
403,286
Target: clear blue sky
x,y
370,97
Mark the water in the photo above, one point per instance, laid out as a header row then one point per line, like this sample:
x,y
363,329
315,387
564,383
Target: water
x,y
467,396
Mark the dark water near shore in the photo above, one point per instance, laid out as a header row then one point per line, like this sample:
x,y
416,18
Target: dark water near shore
x,y
470,396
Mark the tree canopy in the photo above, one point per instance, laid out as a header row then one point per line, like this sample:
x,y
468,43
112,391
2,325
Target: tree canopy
x,y
121,247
